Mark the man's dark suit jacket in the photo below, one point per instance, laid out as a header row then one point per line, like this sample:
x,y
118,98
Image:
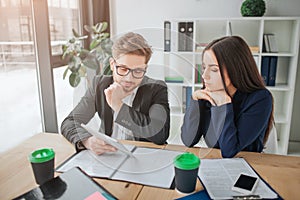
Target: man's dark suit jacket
x,y
148,118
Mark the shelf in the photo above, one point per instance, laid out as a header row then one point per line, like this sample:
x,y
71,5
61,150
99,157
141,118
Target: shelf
x,y
280,54
252,30
198,85
178,84
279,87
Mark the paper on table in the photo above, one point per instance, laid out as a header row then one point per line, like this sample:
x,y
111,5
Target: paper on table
x,y
113,142
150,167
218,176
103,165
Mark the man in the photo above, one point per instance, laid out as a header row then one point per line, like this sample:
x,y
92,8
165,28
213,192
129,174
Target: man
x,y
130,105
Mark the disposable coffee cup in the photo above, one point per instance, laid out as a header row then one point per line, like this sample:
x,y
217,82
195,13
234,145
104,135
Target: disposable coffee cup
x,y
186,171
42,163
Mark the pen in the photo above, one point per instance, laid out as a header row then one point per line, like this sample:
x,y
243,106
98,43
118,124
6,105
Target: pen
x,y
246,197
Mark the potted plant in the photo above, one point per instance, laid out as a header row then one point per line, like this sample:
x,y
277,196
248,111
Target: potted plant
x,y
253,8
96,57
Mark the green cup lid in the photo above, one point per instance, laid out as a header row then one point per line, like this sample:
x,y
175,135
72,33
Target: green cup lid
x,y
186,161
41,155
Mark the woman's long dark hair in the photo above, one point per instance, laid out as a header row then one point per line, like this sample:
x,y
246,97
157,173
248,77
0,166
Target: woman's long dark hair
x,y
233,53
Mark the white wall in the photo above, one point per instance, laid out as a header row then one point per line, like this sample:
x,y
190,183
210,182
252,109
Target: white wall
x,y
147,17
134,14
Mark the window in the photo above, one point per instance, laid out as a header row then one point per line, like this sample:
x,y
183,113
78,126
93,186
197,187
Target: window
x,y
20,105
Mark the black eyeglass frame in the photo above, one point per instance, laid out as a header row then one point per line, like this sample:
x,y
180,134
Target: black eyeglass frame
x,y
130,70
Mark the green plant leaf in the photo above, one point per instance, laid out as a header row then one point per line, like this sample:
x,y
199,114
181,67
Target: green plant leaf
x,y
106,70
79,59
74,64
94,44
74,79
64,54
75,33
65,73
91,62
106,45
98,27
72,40
77,36
82,71
104,26
64,47
83,53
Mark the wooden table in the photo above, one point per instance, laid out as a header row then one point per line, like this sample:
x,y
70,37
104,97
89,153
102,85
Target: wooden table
x,y
16,176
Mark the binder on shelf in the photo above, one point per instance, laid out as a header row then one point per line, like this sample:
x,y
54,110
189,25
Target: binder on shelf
x,y
186,97
185,36
183,99
272,70
272,43
181,36
264,71
189,36
167,36
198,77
269,69
266,45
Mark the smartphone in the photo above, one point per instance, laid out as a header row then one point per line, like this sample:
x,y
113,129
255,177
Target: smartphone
x,y
245,184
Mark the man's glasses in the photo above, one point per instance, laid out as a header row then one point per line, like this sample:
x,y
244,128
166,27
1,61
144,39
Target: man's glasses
x,y
137,73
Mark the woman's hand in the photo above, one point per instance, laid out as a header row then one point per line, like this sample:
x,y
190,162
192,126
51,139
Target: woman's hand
x,y
216,98
98,146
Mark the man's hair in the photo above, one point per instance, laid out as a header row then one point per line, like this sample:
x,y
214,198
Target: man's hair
x,y
132,43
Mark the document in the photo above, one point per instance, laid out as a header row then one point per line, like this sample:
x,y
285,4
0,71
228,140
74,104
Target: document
x,y
218,175
147,166
109,140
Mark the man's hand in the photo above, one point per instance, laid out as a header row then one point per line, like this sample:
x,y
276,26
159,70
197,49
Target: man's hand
x,y
98,146
216,98
114,95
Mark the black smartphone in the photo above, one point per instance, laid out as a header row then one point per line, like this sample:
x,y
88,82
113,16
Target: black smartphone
x,y
245,184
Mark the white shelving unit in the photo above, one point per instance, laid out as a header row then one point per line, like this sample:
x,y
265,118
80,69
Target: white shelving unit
x,y
286,30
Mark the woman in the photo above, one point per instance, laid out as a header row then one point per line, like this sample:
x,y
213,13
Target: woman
x,y
234,110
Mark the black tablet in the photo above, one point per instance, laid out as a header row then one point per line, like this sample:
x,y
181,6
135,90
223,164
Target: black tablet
x,y
73,184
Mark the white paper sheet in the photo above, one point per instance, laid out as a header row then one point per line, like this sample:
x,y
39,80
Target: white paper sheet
x,y
103,165
218,176
149,166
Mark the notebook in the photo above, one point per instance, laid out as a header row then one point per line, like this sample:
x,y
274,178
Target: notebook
x,y
73,184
